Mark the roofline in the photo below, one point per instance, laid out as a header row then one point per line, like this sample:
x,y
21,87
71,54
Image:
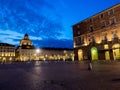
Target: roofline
x,y
48,48
97,13
7,44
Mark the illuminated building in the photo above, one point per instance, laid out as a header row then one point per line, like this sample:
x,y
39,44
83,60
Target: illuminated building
x,y
25,51
98,36
7,52
55,54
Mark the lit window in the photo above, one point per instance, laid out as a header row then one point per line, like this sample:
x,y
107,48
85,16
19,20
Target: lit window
x,y
29,44
106,46
8,54
24,43
5,54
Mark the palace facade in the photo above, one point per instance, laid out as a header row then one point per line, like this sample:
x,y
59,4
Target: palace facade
x,y
98,37
26,51
7,52
55,54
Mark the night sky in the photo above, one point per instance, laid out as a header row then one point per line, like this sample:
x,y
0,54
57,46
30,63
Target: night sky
x,y
47,22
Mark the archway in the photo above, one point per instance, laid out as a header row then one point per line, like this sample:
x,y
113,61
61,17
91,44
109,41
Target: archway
x,y
4,60
80,54
94,53
10,59
107,55
116,51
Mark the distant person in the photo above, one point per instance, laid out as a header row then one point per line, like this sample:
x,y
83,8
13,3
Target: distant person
x,y
89,62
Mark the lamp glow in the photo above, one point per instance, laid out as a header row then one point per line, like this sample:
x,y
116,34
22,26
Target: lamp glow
x,y
38,51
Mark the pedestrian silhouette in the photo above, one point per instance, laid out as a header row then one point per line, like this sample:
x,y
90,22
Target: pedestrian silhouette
x,y
89,62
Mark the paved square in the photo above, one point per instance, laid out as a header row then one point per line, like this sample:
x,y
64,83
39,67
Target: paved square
x,y
60,76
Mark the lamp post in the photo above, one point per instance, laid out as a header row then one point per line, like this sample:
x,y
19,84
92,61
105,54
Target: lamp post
x,y
37,52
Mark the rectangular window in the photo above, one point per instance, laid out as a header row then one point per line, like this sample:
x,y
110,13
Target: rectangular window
x,y
112,21
2,54
78,41
78,33
91,28
101,16
90,20
82,40
110,12
106,46
103,25
78,26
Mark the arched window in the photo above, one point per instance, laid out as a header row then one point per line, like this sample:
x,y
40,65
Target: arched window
x,y
94,53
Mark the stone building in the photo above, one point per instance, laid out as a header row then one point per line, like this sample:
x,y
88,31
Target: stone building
x,y
98,37
26,50
7,52
61,54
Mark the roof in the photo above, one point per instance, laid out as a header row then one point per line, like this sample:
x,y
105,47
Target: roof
x,y
6,44
26,47
97,13
47,48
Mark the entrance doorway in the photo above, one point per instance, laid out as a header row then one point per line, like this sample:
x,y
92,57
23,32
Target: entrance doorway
x,y
4,60
80,54
116,51
107,55
94,53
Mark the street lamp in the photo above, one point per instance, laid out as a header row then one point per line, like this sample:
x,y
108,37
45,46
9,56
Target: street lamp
x,y
37,52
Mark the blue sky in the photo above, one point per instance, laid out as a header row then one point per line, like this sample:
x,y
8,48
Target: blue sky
x,y
48,22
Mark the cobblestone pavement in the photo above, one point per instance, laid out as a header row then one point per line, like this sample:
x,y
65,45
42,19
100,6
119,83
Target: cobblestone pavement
x,y
105,75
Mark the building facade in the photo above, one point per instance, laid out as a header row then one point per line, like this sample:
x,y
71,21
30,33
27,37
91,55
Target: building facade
x,y
7,52
55,54
98,37
26,50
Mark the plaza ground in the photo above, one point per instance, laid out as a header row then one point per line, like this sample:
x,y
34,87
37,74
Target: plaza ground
x,y
59,75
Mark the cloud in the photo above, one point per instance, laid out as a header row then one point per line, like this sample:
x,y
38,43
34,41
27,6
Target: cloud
x,y
38,18
35,17
14,37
